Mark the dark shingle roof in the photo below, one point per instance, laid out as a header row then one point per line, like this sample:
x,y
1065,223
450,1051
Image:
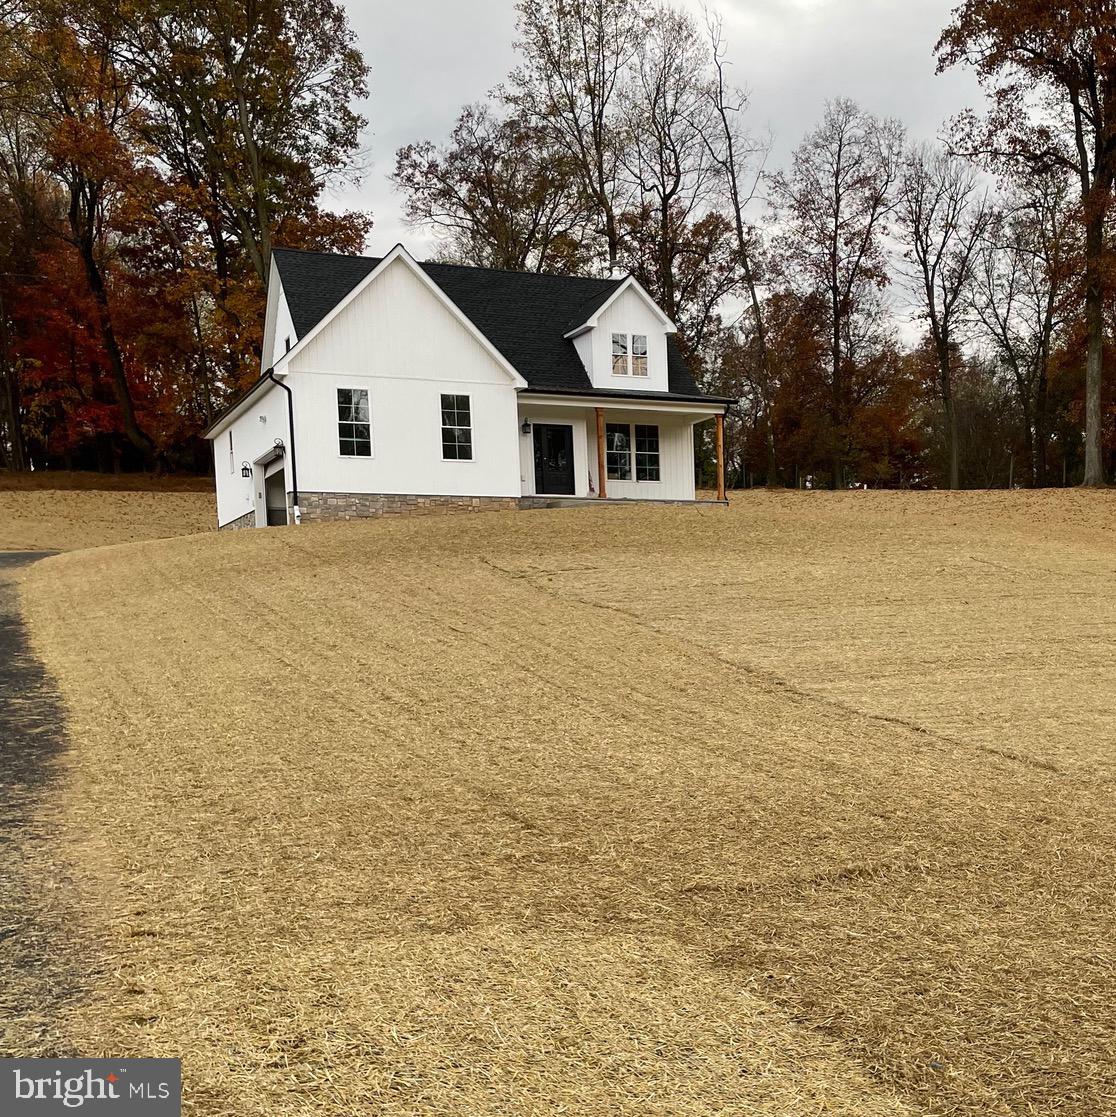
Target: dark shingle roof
x,y
524,314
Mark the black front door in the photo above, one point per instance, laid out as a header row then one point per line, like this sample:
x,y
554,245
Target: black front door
x,y
554,464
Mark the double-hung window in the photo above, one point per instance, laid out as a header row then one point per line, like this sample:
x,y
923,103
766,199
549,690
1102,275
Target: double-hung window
x,y
619,354
457,429
632,451
618,451
646,453
354,423
639,354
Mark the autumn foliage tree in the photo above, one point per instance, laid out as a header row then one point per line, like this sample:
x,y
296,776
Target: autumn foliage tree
x,y
150,155
1051,72
836,198
500,192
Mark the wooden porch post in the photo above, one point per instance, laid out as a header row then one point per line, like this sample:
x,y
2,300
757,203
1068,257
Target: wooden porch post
x,y
602,485
720,457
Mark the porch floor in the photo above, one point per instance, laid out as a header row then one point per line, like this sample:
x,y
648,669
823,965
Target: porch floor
x,y
551,501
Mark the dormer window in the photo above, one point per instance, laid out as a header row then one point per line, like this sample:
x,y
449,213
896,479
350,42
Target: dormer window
x,y
629,358
619,354
639,354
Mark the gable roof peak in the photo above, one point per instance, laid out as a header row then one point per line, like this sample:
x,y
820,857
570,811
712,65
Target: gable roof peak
x,y
526,316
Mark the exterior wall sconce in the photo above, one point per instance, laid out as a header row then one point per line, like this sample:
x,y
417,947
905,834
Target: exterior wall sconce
x,y
280,447
526,427
245,469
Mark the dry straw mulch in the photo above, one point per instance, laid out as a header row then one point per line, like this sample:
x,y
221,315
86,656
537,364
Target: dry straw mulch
x,y
802,807
62,479
70,519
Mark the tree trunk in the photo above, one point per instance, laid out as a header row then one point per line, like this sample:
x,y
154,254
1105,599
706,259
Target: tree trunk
x,y
666,268
945,385
764,354
837,410
951,437
1029,442
1094,361
1041,406
83,235
17,458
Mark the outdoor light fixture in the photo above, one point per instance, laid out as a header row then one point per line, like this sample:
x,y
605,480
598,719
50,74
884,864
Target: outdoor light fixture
x,y
245,469
526,428
280,448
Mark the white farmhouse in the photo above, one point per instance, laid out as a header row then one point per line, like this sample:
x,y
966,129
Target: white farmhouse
x,y
394,386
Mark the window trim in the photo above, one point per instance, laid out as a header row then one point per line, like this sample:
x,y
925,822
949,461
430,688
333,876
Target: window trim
x,y
337,389
633,468
456,426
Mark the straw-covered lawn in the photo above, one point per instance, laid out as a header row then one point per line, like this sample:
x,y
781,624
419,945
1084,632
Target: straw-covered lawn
x,y
34,519
804,807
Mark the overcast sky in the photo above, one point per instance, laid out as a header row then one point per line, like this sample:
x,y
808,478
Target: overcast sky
x,y
430,57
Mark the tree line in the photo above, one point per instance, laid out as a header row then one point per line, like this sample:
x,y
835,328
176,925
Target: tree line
x,y
620,141
884,312
151,153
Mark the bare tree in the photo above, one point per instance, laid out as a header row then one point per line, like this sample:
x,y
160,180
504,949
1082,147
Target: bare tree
x,y
943,215
740,161
667,115
576,56
1021,277
836,200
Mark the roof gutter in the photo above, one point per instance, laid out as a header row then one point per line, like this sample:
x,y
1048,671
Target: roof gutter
x,y
270,375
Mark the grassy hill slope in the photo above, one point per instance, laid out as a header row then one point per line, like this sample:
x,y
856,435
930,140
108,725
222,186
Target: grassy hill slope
x,y
802,807
70,519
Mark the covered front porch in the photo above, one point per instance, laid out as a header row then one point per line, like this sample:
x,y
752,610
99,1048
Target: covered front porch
x,y
608,448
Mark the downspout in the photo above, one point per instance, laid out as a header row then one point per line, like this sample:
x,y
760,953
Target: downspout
x,y
270,375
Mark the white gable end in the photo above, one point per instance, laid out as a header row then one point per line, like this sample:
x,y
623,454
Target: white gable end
x,y
397,327
631,315
398,341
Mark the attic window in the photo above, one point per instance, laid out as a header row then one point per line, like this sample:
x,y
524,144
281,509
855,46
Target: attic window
x,y
619,354
639,354
287,342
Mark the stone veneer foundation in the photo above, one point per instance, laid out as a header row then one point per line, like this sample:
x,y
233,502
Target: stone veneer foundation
x,y
247,520
317,507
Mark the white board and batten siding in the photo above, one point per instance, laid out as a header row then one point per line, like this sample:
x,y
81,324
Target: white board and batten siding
x,y
628,314
398,341
251,439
